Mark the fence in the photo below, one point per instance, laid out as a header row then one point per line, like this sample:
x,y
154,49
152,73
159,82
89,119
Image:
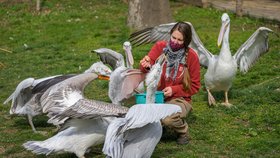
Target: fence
x,y
267,9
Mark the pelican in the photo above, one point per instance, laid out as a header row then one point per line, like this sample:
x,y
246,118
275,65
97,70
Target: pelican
x,y
26,97
99,68
124,80
86,121
115,59
137,134
80,130
221,68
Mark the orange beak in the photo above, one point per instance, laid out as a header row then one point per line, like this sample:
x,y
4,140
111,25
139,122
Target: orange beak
x,y
102,77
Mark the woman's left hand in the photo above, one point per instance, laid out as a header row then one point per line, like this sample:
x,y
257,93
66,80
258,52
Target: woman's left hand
x,y
167,91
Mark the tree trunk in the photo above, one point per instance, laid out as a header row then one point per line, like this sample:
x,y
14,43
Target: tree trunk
x,y
239,7
148,13
38,5
205,3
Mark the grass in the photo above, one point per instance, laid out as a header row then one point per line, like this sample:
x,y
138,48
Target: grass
x,y
59,39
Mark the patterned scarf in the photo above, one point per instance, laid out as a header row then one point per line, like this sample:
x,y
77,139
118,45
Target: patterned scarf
x,y
174,58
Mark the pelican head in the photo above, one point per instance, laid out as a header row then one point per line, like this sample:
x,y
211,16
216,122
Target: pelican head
x,y
225,26
129,58
153,76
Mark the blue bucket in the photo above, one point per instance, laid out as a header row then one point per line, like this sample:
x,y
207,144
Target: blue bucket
x,y
141,97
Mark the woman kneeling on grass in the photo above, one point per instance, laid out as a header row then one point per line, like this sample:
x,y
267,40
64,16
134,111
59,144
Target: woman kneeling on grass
x,y
180,78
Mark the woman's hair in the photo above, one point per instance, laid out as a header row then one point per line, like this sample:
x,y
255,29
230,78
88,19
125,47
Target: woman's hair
x,y
186,31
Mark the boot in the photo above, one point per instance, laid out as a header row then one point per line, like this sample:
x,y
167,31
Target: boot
x,y
182,139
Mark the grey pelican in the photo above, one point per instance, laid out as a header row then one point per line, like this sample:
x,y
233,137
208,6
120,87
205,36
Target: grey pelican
x,y
115,59
86,121
26,97
222,68
124,79
137,134
99,68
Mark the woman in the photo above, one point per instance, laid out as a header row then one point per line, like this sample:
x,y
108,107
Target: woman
x,y
180,77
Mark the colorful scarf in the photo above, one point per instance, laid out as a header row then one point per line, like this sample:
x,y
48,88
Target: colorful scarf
x,y
174,58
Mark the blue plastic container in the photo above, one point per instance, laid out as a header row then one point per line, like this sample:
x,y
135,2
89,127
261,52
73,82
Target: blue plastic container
x,y
141,98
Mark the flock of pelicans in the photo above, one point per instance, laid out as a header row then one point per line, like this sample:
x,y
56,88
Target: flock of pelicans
x,y
125,132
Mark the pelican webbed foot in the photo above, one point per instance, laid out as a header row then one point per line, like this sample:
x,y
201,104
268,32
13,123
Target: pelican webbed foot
x,y
226,103
211,99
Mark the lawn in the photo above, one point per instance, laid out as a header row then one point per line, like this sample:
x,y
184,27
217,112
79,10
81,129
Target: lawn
x,y
59,40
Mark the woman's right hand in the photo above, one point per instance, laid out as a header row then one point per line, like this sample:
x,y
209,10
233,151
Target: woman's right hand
x,y
146,62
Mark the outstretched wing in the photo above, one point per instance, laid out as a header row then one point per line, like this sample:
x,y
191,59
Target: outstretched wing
x,y
252,49
41,85
138,118
18,97
203,54
108,56
162,32
152,34
24,92
65,94
89,109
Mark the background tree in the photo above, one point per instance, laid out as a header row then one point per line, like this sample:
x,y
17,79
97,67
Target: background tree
x,y
147,13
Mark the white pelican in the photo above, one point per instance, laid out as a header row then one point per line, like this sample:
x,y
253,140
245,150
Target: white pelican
x,y
124,79
87,120
26,97
222,68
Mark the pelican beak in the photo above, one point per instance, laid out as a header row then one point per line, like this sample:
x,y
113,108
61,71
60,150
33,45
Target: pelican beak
x,y
161,59
129,56
103,77
221,34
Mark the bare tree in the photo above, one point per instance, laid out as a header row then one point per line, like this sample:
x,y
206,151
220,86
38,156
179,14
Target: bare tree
x,y
239,7
147,13
38,5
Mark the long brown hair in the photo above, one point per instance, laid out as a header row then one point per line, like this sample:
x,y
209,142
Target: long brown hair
x,y
186,31
186,78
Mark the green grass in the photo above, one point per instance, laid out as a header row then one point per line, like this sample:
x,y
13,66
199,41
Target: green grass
x,y
59,41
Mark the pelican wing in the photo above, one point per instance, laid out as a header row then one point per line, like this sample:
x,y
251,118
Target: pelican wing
x,y
25,91
21,94
76,137
162,32
42,85
108,56
90,109
152,34
139,116
196,44
252,49
65,94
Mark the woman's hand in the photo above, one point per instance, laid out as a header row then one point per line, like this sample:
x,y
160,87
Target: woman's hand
x,y
146,62
167,91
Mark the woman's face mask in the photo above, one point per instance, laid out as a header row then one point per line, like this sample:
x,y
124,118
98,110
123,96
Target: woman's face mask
x,y
175,46
176,41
